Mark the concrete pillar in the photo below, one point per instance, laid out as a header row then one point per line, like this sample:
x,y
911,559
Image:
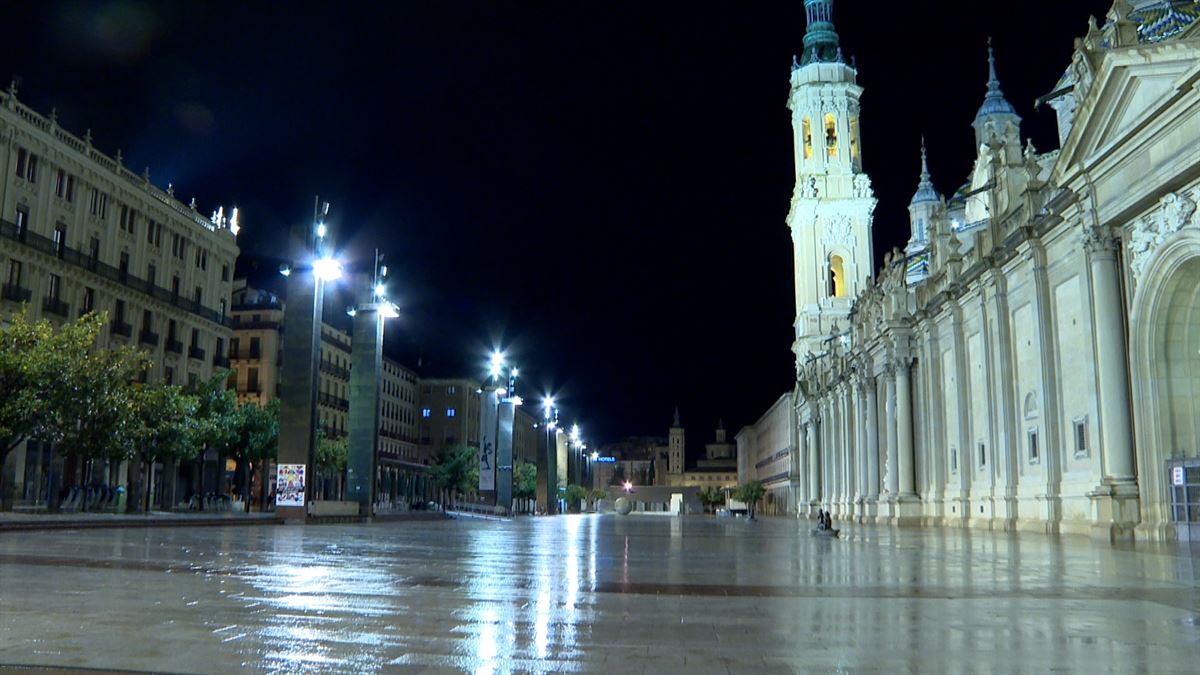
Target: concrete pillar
x,y
904,430
891,475
872,412
1111,369
366,368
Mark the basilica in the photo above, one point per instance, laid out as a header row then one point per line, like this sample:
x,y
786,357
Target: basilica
x,y
1031,359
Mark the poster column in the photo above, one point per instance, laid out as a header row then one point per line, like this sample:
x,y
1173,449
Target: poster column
x,y
487,442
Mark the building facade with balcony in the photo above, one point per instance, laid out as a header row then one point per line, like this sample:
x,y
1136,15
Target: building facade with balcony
x,y
80,232
402,464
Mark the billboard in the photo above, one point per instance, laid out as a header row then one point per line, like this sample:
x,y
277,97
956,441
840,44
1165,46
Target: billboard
x,y
289,485
487,441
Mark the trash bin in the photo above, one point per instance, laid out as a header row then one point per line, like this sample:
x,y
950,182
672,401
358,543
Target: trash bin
x,y
120,499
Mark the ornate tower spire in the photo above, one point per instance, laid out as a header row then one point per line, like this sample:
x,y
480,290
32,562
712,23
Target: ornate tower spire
x,y
925,190
820,41
994,102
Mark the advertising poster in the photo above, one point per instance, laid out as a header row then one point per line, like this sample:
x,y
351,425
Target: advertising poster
x,y
289,485
487,441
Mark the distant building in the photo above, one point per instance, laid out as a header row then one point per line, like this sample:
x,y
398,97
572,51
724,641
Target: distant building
x,y
449,414
402,465
766,452
717,469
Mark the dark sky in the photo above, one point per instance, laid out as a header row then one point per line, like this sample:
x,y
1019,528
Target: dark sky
x,y
598,187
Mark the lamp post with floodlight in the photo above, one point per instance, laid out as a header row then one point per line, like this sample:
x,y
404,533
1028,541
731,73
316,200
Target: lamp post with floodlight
x,y
547,463
366,380
313,266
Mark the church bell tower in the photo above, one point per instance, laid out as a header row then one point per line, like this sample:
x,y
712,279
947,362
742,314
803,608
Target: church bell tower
x,y
832,204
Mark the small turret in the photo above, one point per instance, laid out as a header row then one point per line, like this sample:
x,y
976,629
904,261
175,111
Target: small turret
x,y
996,119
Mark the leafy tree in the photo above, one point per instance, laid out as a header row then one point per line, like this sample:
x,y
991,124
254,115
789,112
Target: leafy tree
x,y
165,429
596,494
256,440
332,455
455,468
216,420
750,492
57,387
711,497
575,496
525,480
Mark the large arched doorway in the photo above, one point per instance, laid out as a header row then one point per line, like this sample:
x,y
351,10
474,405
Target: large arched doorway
x,y
1165,359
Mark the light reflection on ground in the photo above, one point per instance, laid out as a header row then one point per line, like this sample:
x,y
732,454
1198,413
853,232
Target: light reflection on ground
x,y
587,593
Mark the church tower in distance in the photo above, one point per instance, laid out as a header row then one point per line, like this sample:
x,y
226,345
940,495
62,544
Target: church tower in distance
x,y
832,204
675,457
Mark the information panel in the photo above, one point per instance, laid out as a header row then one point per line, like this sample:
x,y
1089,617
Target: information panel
x,y
289,485
487,440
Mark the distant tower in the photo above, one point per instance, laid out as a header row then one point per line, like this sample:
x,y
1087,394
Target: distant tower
x,y
832,204
924,211
720,430
675,447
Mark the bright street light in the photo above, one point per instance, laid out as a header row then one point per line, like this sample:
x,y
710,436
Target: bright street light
x,y
380,290
327,269
321,230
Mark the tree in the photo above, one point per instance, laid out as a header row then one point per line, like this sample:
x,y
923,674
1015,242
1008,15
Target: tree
x,y
332,455
750,492
525,481
575,496
256,440
596,494
165,430
57,387
455,468
216,421
711,497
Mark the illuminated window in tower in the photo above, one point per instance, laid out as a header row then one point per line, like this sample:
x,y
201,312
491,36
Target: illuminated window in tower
x,y
854,138
830,135
837,277
807,129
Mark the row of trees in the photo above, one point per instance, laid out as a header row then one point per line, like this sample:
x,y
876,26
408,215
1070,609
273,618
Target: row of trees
x,y
59,389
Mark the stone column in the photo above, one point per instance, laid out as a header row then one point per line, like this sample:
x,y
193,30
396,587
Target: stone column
x,y
892,475
1111,369
800,460
861,417
814,463
851,447
872,438
904,431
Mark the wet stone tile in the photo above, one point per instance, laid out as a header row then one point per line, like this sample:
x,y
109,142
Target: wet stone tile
x,y
589,594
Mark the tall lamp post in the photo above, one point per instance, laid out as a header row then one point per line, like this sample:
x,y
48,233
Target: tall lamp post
x,y
313,265
497,415
366,379
547,465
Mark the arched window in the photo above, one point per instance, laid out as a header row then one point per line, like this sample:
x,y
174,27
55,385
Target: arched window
x,y
854,138
830,135
807,132
837,277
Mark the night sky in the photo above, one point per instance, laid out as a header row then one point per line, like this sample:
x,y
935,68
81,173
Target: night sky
x,y
598,187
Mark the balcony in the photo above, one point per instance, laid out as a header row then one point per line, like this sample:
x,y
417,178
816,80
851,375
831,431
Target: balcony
x,y
122,328
15,293
174,346
55,306
329,339
220,361
335,371
9,231
333,401
196,353
148,337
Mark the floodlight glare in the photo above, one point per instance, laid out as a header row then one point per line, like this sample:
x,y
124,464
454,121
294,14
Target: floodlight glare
x,y
595,456
352,312
389,310
285,270
327,269
321,230
380,290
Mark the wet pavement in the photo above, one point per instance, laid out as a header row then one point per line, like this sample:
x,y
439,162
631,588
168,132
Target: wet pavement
x,y
590,594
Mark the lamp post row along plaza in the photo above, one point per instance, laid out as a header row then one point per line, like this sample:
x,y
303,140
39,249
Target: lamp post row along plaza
x,y
313,266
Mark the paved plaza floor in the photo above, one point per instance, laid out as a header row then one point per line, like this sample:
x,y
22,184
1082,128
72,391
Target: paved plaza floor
x,y
593,594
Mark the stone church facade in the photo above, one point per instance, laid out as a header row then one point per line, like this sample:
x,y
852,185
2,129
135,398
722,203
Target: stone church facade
x,y
1031,360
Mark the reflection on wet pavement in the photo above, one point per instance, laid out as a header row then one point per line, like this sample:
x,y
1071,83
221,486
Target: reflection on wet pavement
x,y
589,593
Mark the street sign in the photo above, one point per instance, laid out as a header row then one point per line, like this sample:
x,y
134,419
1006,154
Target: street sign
x,y
1177,475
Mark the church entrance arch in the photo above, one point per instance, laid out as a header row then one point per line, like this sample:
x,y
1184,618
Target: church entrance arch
x,y
1165,360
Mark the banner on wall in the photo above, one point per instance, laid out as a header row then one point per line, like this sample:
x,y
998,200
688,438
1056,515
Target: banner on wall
x,y
487,441
289,485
